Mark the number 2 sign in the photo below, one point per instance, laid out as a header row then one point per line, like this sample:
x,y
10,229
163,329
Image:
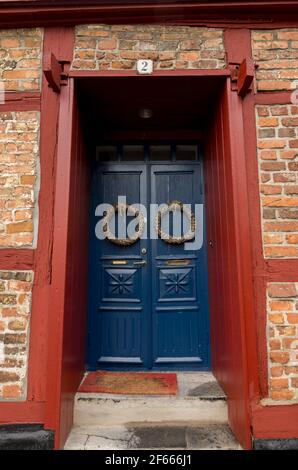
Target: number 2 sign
x,y
145,66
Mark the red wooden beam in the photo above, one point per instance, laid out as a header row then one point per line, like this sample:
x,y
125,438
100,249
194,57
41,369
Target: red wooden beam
x,y
275,422
52,71
156,73
238,45
16,259
45,13
21,101
245,76
278,270
280,97
22,412
60,41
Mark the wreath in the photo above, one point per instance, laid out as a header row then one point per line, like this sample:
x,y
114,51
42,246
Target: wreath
x,y
171,207
122,209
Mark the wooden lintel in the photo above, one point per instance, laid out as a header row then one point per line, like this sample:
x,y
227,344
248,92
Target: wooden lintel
x,y
52,71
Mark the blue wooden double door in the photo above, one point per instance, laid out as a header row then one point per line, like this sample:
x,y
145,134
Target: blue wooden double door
x,y
148,301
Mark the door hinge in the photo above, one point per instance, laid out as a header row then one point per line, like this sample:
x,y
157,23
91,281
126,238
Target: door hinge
x,y
55,71
242,76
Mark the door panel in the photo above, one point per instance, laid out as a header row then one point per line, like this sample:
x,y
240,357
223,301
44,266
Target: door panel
x,y
180,318
119,289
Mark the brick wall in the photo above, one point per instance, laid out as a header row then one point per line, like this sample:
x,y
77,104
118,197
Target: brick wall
x,y
20,59
282,308
19,164
276,54
20,70
15,306
104,47
278,172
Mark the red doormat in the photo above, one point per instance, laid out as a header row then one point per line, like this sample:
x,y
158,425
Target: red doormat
x,y
130,383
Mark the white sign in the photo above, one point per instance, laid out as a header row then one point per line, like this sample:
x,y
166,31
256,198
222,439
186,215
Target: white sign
x,y
145,66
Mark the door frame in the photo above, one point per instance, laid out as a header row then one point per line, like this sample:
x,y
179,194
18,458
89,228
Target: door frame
x,y
57,401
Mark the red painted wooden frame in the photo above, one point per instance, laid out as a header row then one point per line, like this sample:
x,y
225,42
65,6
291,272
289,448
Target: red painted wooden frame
x,y
67,323
267,421
57,326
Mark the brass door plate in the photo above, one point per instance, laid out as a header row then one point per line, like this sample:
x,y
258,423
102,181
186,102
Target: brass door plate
x,y
178,262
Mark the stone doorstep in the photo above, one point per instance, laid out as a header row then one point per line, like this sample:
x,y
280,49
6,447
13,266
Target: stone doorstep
x,y
120,410
136,436
199,399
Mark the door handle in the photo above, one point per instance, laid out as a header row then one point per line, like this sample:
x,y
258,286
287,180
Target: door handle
x,y
139,263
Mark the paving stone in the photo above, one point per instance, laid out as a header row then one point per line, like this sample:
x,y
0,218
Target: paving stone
x,y
208,391
105,443
76,441
158,437
211,437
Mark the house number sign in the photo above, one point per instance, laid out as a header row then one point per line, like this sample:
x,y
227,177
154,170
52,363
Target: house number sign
x,y
145,66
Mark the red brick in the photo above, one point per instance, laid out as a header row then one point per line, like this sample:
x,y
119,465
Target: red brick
x,y
282,394
281,202
292,318
107,44
281,252
286,330
289,122
283,290
6,376
290,343
294,382
268,122
272,144
281,226
288,154
273,166
263,110
276,318
291,370
293,143
268,155
292,238
280,357
273,238
279,384
274,344
269,213
282,305
20,227
279,111
271,189
284,177
11,391
276,371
